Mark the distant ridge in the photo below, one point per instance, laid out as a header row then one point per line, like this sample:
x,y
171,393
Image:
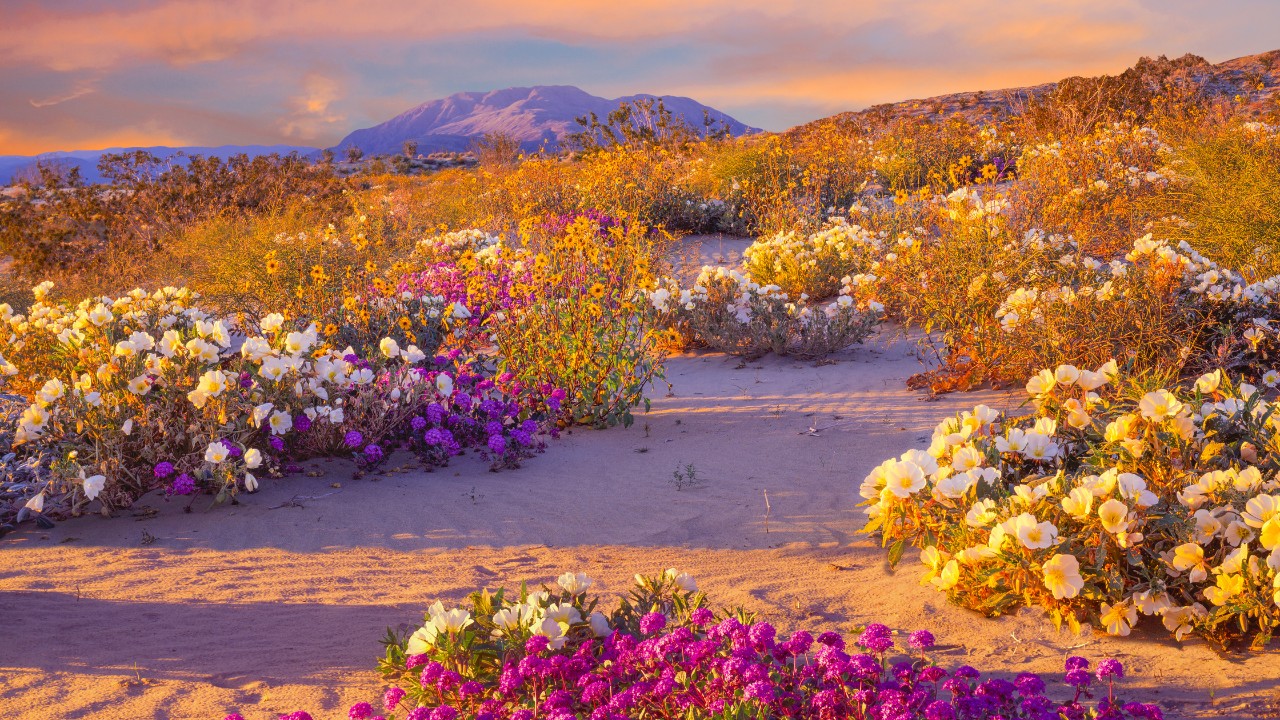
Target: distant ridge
x,y
535,116
87,160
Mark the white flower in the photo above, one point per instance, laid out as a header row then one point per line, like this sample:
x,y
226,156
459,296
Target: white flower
x,y
1033,535
684,581
93,485
281,422
444,384
574,583
250,482
216,452
599,625
414,355
271,323
252,458
389,348
36,504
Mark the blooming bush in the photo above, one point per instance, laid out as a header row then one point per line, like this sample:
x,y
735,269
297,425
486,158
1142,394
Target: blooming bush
x,y
811,264
662,653
1111,502
145,391
727,311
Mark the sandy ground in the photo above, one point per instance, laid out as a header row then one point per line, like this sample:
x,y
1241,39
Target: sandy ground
x,y
278,604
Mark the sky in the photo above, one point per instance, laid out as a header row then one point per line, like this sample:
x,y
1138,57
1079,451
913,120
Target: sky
x,y
77,75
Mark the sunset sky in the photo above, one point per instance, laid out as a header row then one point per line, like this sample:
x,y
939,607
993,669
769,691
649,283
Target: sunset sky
x,y
76,74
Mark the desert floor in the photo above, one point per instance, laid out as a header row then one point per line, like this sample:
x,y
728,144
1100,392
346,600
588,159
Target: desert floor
x,y
278,604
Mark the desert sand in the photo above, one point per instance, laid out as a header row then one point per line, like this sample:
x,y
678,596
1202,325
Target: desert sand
x,y
278,603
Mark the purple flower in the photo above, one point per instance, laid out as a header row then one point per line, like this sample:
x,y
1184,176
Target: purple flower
x,y
391,699
277,443
497,444
701,617
418,423
163,470
1029,684
419,713
299,715
233,716
761,690
435,413
536,644
360,711
302,423
1077,663
652,623
444,712
372,453
921,640
184,484
1110,668
1078,678
353,439
876,637
939,710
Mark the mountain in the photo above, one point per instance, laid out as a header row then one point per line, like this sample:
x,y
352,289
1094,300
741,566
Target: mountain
x,y
532,115
1254,79
87,160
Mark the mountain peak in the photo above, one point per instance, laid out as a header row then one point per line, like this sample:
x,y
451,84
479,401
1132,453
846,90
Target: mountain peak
x,y
537,115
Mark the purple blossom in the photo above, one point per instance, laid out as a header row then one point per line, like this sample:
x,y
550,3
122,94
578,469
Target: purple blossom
x,y
497,444
302,423
921,640
277,443
391,699
353,439
652,623
360,711
163,470
1110,668
184,484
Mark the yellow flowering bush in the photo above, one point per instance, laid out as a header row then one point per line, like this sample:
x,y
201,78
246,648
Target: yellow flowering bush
x,y
1110,502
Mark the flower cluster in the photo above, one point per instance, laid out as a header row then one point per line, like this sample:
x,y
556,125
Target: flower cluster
x,y
664,654
728,311
1113,501
150,390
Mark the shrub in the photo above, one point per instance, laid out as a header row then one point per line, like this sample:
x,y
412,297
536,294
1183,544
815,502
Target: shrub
x,y
727,311
1114,500
662,653
155,386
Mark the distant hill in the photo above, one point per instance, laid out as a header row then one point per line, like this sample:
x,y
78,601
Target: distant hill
x,y
87,160
532,115
1254,78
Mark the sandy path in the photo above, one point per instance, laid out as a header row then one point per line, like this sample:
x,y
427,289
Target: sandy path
x,y
269,610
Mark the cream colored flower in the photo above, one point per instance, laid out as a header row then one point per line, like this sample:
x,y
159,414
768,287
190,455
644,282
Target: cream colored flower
x,y
1062,576
1114,515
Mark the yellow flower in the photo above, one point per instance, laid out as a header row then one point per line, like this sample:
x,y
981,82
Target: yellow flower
x,y
405,323
1228,586
1062,576
272,266
1119,618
